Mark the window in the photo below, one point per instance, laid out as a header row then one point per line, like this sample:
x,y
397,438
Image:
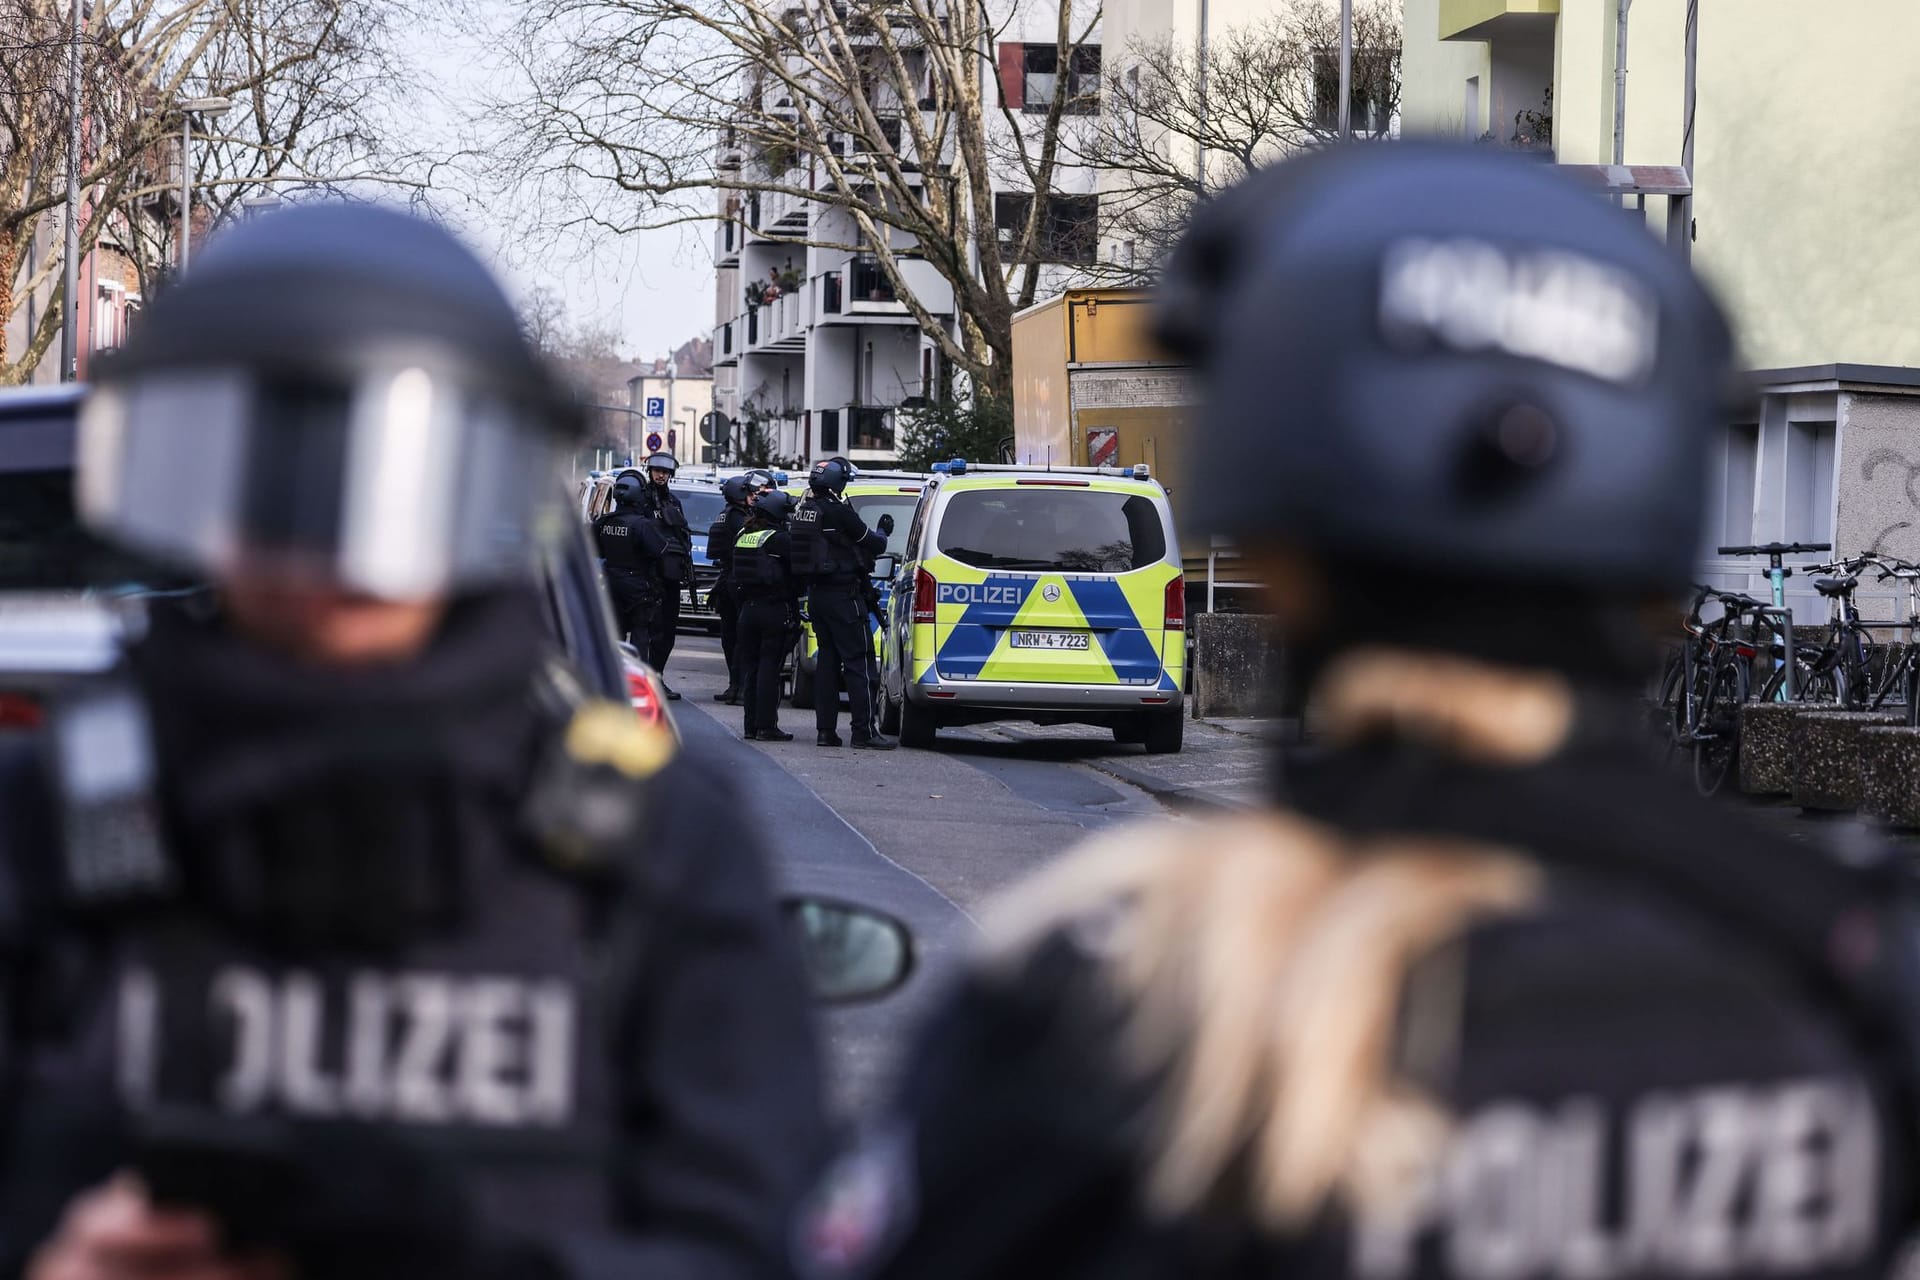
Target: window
x,y
829,431
1470,120
1070,232
1809,476
1074,530
1738,473
1030,73
898,505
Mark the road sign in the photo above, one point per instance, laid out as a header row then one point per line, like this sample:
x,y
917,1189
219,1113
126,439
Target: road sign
x,y
656,406
1103,446
673,438
653,442
715,427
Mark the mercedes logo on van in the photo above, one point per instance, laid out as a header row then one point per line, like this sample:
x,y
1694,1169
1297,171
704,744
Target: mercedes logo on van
x,y
1050,592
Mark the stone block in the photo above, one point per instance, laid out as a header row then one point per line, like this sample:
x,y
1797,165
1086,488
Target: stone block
x,y
1766,747
1826,756
1236,665
1890,774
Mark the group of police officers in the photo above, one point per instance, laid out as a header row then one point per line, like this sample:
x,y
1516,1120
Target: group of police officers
x,y
771,554
412,960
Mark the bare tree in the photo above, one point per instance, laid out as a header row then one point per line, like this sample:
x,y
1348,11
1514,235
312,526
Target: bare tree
x,y
311,81
1176,130
875,126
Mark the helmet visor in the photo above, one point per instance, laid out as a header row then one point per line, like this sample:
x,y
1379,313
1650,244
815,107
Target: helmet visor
x,y
396,481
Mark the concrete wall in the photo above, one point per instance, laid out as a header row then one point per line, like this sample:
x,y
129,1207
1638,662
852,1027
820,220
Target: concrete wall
x,y
1236,666
1877,483
1806,220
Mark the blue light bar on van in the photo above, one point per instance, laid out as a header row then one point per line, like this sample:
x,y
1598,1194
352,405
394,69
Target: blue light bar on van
x,y
1140,471
958,467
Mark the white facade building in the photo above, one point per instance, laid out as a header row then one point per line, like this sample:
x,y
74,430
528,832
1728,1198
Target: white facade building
x,y
826,357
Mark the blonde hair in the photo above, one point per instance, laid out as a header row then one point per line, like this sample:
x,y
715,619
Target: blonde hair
x,y
1262,962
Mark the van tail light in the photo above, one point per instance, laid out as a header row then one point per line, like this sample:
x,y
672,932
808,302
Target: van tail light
x,y
1176,604
17,711
923,596
646,698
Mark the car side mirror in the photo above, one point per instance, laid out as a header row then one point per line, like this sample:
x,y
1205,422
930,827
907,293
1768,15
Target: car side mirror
x,y
885,565
849,952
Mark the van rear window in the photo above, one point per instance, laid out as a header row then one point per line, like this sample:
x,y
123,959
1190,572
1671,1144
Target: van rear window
x,y
1071,530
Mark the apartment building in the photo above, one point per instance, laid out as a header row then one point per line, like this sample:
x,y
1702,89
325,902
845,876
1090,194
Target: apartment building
x,y
1803,218
812,348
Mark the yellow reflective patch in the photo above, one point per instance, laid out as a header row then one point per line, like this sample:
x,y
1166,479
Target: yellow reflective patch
x,y
607,733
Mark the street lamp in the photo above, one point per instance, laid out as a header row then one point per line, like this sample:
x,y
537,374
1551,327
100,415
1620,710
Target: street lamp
x,y
188,110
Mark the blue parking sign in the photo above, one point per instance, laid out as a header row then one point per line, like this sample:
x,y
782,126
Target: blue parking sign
x,y
656,406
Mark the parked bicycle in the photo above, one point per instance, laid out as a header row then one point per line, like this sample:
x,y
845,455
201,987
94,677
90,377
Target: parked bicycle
x,y
1900,673
1707,681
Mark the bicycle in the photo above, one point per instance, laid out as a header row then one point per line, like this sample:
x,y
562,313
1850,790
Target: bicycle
x,y
1903,672
1707,681
1841,670
1778,688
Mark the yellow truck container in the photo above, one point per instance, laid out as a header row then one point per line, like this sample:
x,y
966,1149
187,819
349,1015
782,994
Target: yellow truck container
x,y
1090,388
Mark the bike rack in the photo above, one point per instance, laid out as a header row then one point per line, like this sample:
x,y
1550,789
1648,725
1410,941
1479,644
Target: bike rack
x,y
1791,687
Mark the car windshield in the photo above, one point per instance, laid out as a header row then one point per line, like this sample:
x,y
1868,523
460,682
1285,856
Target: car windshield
x,y
872,506
43,546
1075,530
703,507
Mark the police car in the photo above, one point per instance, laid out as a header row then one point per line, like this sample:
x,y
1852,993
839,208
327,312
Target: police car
x,y
1049,595
873,494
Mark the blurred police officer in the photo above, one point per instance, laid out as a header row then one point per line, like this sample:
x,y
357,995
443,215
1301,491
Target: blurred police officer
x,y
630,545
833,551
769,601
1490,996
406,958
674,568
738,493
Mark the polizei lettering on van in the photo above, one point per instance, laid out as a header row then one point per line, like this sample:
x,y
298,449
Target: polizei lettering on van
x,y
419,1048
978,593
1738,1180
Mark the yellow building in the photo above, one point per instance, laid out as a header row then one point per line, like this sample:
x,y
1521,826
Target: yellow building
x,y
1806,216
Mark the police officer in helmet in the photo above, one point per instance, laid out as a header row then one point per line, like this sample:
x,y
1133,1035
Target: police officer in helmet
x,y
1485,993
673,568
631,545
769,596
833,552
738,493
406,957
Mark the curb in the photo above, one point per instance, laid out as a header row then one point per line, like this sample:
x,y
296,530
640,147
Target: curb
x,y
1198,798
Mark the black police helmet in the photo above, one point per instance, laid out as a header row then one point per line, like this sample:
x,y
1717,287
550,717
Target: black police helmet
x,y
774,504
340,389
1451,361
737,490
662,462
627,490
830,476
759,480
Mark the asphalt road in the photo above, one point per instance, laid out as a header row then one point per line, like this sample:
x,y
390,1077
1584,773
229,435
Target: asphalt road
x,y
928,836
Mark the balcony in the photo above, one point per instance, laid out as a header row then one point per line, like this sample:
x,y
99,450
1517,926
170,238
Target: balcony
x,y
869,428
780,325
1485,19
782,213
725,344
860,293
726,244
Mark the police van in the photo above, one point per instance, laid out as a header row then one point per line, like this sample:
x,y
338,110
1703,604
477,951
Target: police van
x,y
872,494
1049,595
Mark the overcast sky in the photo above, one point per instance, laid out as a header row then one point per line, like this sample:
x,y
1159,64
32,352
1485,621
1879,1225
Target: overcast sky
x,y
654,288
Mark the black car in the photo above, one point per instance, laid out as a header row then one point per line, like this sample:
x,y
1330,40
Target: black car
x,y
46,551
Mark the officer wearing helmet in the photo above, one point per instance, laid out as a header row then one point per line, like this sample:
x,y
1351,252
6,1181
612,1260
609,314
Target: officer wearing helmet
x,y
1485,994
673,569
631,545
343,934
738,493
769,611
833,552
